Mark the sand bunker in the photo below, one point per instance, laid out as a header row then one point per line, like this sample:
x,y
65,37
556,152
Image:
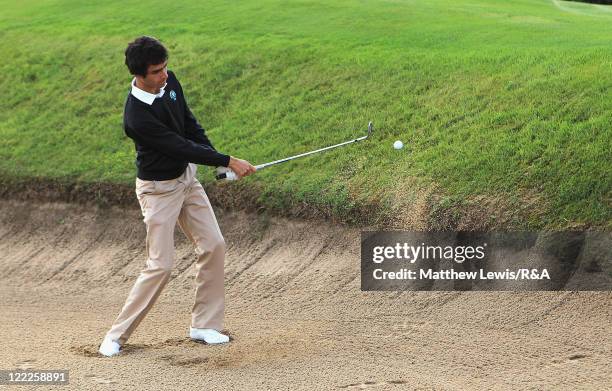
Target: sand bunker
x,y
295,312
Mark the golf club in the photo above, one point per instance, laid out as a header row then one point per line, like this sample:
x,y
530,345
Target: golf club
x,y
228,175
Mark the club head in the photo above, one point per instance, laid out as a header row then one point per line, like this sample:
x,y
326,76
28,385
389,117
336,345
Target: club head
x,y
370,128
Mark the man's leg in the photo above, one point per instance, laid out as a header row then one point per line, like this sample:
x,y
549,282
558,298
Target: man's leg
x,y
199,223
161,204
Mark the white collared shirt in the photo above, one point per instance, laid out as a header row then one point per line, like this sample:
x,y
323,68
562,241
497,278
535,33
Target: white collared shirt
x,y
144,96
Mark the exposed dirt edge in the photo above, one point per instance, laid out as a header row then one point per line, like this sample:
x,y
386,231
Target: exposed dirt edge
x,y
105,194
427,210
236,198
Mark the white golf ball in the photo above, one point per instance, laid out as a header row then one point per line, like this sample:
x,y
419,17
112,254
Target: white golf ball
x,y
398,144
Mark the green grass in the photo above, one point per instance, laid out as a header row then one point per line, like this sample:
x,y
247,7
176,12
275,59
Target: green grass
x,y
506,100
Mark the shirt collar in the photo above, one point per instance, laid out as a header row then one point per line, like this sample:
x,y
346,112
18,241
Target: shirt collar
x,y
145,96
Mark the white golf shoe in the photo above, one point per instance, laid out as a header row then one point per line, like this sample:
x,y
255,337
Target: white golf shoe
x,y
210,336
109,348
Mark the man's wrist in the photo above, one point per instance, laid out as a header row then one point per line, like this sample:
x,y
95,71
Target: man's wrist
x,y
227,160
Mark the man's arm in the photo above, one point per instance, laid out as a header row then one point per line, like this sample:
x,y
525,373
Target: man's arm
x,y
148,130
195,133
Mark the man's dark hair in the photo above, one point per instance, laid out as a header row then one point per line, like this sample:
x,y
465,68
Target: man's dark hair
x,y
142,52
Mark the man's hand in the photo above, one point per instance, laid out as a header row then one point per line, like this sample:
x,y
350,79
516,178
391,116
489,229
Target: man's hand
x,y
241,167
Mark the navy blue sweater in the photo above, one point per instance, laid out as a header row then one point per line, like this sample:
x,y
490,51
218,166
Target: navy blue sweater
x,y
167,136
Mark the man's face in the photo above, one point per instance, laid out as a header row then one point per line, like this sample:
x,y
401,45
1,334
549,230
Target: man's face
x,y
156,77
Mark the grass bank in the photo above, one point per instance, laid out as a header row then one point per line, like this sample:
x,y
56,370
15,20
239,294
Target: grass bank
x,y
499,103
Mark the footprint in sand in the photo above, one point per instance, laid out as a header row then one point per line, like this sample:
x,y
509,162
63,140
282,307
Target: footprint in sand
x,y
577,357
182,361
568,360
86,350
100,380
368,384
25,364
91,350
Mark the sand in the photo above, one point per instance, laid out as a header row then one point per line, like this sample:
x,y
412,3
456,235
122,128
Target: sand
x,y
295,312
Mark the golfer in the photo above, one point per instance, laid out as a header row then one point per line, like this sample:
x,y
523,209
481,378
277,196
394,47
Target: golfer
x,y
169,143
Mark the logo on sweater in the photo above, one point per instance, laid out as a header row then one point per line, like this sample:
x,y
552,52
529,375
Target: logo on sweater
x,y
173,95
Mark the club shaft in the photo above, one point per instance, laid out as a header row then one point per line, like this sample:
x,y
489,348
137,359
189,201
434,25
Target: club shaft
x,y
264,165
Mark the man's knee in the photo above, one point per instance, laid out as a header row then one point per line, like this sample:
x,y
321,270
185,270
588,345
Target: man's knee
x,y
217,244
214,244
155,220
221,244
162,268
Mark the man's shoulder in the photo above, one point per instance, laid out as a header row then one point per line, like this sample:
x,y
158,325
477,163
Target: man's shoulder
x,y
134,110
133,103
172,77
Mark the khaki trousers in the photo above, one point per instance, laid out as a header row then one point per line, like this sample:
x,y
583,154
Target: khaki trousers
x,y
163,203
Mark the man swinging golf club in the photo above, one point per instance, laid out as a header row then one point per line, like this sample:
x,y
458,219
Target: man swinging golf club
x,y
169,143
